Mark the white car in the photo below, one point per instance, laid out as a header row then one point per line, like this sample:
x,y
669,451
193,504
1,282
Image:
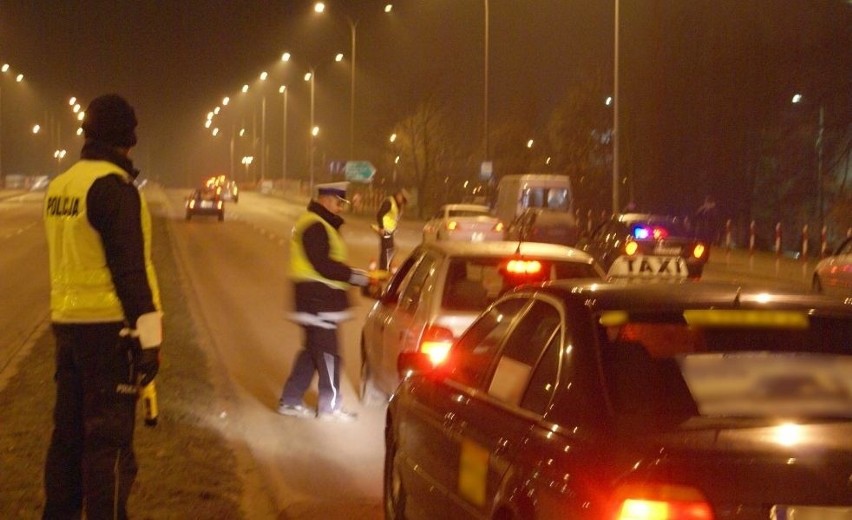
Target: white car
x,y
440,289
833,274
465,222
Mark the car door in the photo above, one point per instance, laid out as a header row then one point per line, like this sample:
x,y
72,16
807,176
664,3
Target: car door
x,y
380,316
431,432
402,329
493,424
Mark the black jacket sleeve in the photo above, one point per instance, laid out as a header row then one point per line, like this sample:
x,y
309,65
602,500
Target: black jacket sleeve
x,y
114,210
317,248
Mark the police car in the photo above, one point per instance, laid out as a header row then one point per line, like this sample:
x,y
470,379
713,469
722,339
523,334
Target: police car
x,y
621,401
638,245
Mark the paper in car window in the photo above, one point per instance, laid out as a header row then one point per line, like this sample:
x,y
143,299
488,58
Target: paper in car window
x,y
759,384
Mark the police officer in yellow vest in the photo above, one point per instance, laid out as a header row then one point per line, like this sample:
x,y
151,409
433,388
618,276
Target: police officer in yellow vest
x,y
106,317
387,219
321,278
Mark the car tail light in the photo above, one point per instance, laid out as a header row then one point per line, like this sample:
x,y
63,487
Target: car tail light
x,y
523,267
452,225
631,248
436,343
219,204
191,204
499,226
698,250
660,502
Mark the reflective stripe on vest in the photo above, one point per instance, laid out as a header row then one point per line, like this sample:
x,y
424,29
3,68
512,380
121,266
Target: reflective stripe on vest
x,y
81,287
391,218
301,269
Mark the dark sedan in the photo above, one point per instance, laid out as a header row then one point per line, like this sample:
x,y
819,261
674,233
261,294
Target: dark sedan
x,y
630,401
205,201
646,246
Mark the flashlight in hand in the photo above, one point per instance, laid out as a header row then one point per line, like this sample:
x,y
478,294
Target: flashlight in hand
x,y
149,401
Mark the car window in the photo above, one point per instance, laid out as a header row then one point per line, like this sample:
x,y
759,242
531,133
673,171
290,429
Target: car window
x,y
542,384
474,282
392,291
410,296
522,350
471,357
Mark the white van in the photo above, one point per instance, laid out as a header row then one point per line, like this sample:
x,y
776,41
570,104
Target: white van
x,y
516,193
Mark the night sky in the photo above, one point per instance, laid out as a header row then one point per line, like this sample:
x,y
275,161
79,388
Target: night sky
x,y
692,74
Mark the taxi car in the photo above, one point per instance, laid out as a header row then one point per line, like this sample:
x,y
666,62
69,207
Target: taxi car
x,y
833,274
466,222
647,246
205,201
440,288
630,401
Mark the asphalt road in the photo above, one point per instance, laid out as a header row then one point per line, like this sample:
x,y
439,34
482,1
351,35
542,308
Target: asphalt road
x,y
233,279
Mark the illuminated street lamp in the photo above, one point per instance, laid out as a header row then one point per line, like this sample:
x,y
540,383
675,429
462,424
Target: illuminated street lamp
x,y
319,7
247,160
59,155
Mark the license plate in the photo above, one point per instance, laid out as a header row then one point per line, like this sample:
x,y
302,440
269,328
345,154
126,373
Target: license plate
x,y
810,513
649,266
477,237
206,204
667,251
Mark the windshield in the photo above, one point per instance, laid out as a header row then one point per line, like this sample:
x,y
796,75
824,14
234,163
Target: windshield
x,y
728,363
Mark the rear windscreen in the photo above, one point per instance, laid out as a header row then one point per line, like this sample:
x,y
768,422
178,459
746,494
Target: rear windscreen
x,y
472,284
733,363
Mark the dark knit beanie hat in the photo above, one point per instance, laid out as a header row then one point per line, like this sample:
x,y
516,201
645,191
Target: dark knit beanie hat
x,y
110,119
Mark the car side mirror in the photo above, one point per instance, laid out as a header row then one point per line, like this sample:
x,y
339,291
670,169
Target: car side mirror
x,y
413,363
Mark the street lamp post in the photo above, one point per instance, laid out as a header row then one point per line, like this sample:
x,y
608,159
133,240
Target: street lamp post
x,y
311,77
20,77
615,132
263,157
283,90
797,98
247,160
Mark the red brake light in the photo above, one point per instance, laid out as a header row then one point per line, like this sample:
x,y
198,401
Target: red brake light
x,y
698,251
660,233
660,502
436,343
523,267
631,248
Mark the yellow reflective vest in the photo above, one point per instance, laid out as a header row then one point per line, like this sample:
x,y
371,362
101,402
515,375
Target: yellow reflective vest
x,y
391,218
301,269
81,287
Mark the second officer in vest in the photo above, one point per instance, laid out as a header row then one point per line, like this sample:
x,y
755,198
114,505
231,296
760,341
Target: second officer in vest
x,y
321,278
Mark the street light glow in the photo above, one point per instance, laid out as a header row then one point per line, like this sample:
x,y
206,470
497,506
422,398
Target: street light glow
x,y
319,7
245,89
282,88
315,131
308,76
263,76
285,56
72,101
226,100
338,56
388,8
36,129
5,67
530,143
393,137
19,78
797,98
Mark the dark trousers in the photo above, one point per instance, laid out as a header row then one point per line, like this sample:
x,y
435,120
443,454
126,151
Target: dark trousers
x,y
319,355
386,250
90,461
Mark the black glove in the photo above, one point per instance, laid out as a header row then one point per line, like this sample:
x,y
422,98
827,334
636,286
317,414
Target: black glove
x,y
146,364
